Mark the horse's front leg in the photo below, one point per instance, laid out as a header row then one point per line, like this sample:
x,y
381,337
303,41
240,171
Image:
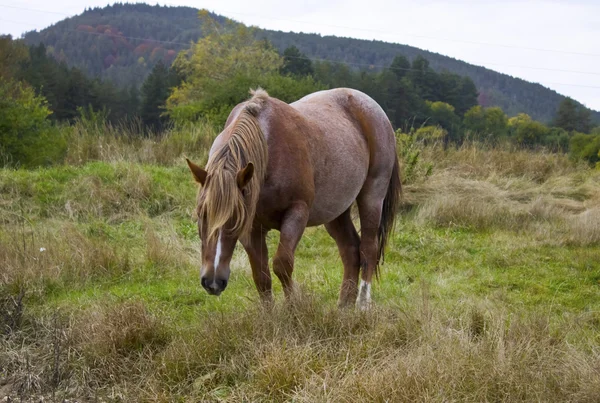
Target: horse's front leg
x,y
258,254
292,227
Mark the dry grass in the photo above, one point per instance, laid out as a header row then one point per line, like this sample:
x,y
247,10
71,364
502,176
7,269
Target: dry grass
x,y
78,354
420,353
164,249
109,192
60,255
109,335
105,142
105,311
477,160
306,352
585,227
515,190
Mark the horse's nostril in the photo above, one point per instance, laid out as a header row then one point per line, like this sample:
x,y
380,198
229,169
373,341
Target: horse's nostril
x,y
222,284
204,282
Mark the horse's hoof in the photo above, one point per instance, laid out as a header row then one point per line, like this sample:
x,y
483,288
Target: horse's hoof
x,y
363,305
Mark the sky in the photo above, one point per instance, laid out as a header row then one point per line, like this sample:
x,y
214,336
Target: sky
x,y
554,43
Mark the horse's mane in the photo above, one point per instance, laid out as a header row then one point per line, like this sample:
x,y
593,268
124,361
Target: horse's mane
x,y
221,200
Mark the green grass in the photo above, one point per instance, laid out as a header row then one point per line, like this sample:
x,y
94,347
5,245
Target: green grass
x,y
467,308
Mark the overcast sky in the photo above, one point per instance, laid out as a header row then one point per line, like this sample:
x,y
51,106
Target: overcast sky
x,y
555,43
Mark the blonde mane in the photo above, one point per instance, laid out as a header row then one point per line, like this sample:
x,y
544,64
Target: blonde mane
x,y
221,200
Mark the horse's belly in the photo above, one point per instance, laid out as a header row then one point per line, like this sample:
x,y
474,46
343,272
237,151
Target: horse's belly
x,y
338,181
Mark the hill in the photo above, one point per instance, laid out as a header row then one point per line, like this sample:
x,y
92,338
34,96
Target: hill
x,y
122,42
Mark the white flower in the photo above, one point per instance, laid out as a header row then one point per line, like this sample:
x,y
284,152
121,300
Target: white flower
x,y
42,249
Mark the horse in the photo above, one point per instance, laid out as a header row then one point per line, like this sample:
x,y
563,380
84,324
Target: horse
x,y
285,167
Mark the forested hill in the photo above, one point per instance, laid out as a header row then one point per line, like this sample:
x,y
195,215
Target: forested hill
x,y
122,43
513,95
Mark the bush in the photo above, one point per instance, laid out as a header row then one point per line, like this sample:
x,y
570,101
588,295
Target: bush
x,y
442,114
585,147
486,123
27,137
530,133
409,146
557,139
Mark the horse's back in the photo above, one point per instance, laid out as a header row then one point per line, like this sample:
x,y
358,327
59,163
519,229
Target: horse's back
x,y
352,140
355,108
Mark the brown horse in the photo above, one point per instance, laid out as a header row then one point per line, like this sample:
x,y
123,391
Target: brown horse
x,y
288,166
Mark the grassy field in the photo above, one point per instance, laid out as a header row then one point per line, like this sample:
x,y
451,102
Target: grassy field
x,y
490,290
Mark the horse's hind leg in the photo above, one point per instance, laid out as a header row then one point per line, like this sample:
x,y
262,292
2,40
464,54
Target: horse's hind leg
x,y
370,203
292,227
343,232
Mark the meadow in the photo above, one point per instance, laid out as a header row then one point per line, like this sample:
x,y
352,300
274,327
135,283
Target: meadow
x,y
490,289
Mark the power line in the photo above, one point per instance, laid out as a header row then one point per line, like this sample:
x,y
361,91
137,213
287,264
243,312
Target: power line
x,y
418,36
35,10
319,59
19,22
479,64
509,46
542,68
399,33
576,85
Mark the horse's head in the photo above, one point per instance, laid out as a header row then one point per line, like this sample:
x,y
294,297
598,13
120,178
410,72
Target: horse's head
x,y
224,213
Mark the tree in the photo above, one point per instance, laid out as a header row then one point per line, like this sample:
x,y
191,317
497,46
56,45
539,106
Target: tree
x,y
531,133
334,74
467,96
400,101
442,114
155,92
133,101
424,79
573,117
584,121
220,68
12,55
566,116
27,137
66,90
400,66
72,42
488,123
296,63
474,120
496,122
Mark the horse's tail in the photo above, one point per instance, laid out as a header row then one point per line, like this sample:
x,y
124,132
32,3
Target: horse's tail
x,y
388,212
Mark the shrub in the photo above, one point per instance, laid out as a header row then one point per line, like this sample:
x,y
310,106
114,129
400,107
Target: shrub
x,y
409,151
585,147
27,137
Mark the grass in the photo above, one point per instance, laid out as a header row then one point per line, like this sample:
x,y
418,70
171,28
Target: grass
x,y
490,290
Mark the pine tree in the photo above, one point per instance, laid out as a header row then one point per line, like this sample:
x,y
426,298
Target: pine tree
x,y
400,66
133,101
12,55
584,120
467,96
567,116
155,92
296,63
424,79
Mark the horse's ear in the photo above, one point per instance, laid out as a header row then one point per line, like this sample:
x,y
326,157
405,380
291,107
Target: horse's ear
x,y
244,175
199,173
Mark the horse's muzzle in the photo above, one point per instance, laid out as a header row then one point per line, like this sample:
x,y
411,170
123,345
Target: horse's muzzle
x,y
214,286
